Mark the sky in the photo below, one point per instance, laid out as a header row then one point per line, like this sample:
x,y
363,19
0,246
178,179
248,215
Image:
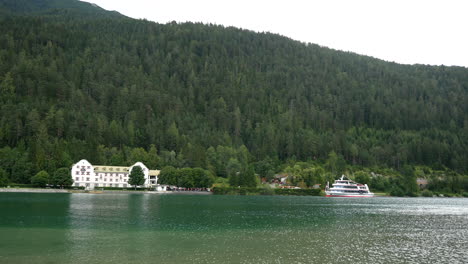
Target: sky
x,y
403,31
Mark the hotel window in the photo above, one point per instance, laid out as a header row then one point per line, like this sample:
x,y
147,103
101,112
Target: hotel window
x,y
110,185
105,179
96,179
89,167
77,178
77,173
87,173
87,179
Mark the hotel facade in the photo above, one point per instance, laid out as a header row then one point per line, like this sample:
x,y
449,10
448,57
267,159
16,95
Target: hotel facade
x,y
91,176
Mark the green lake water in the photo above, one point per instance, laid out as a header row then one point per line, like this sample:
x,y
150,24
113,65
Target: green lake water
x,y
151,228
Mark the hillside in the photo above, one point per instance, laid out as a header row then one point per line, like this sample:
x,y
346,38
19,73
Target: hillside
x,y
37,7
112,89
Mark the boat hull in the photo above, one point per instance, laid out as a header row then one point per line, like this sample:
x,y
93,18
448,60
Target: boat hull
x,y
357,196
364,195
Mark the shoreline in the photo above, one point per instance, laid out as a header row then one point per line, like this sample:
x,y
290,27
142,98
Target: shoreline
x,y
43,190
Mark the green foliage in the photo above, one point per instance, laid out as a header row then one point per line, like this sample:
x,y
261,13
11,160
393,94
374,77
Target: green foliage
x,y
379,183
247,178
236,190
136,176
264,191
61,178
3,178
221,182
362,177
408,181
41,179
301,192
7,88
426,193
222,99
335,163
168,175
186,177
243,178
397,191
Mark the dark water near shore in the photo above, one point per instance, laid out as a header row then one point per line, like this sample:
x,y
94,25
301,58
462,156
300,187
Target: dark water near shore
x,y
149,228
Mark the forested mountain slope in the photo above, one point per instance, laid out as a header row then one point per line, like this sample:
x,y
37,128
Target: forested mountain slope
x,y
36,7
78,85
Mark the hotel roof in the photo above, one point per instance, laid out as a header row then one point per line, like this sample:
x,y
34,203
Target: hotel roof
x,y
105,168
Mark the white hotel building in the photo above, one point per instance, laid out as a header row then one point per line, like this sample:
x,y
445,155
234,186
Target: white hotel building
x,y
91,176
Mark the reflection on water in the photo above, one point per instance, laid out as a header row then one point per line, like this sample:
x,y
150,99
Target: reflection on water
x,y
147,228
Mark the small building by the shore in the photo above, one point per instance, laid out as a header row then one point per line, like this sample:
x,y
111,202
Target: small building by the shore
x,y
281,178
422,183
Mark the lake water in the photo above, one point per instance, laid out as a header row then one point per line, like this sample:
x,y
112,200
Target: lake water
x,y
150,228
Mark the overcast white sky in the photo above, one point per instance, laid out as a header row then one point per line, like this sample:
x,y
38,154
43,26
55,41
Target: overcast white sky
x,y
405,31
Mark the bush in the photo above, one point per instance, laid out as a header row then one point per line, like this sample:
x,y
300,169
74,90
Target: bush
x,y
397,191
301,192
465,194
236,190
41,179
426,193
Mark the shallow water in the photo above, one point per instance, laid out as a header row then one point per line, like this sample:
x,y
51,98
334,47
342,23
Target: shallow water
x,y
149,228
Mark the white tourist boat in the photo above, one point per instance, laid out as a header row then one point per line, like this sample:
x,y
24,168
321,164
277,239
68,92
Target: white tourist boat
x,y
345,187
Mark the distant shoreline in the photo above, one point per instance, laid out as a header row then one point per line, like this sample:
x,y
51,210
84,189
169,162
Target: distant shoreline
x,y
42,190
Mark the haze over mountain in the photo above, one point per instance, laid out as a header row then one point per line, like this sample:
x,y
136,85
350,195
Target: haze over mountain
x,y
81,82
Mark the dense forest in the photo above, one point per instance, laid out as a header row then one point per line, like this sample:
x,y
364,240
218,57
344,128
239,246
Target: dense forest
x,y
77,81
